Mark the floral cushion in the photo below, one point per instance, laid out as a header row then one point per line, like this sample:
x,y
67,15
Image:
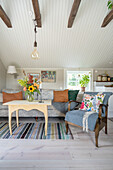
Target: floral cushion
x,y
92,102
99,100
88,103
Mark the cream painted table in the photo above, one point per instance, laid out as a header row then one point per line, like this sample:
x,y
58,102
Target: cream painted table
x,y
24,104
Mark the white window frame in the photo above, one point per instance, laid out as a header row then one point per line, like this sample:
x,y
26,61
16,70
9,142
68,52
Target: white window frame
x,y
88,88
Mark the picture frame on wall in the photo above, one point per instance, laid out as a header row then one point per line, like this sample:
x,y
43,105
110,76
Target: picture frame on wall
x,y
35,75
48,76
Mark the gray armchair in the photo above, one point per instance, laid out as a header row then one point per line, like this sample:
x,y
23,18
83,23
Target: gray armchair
x,y
96,121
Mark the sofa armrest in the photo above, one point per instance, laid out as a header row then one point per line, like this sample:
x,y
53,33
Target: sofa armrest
x,y
100,110
69,104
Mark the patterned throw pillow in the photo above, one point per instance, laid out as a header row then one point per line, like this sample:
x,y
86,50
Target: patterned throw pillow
x,y
72,94
61,96
99,100
88,103
92,102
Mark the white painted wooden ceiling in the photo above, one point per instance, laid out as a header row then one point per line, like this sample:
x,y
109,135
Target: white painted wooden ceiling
x,y
86,44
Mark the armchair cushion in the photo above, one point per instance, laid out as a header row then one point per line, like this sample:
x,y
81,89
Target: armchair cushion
x,y
76,117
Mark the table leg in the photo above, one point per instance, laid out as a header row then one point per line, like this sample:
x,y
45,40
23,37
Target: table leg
x,y
10,117
17,118
46,120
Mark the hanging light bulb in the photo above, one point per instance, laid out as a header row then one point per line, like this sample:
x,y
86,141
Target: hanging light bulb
x,y
34,54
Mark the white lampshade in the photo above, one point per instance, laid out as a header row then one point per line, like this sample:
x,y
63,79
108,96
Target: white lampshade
x,y
11,70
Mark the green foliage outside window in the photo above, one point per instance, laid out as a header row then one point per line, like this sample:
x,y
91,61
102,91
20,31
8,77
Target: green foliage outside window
x,y
73,78
72,83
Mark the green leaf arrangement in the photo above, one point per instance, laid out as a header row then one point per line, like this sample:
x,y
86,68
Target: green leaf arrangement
x,y
23,82
110,4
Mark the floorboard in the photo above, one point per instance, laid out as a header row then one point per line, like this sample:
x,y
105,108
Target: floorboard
x,y
79,153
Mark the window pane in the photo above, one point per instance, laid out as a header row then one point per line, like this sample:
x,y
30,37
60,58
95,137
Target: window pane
x,y
73,78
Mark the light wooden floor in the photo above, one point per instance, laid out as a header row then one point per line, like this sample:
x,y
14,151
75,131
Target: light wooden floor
x,y
80,153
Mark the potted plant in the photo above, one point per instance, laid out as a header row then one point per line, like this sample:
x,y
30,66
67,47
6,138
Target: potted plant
x,y
84,82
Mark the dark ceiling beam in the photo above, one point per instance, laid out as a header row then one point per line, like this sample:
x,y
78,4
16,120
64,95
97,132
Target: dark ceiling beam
x,y
37,12
73,13
107,19
5,18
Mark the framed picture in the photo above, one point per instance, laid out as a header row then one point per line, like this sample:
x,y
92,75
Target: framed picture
x,y
35,75
48,76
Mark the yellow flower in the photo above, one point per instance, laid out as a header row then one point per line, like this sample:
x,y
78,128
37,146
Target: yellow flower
x,y
31,89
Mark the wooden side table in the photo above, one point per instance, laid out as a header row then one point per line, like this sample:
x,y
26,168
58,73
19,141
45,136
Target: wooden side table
x,y
24,104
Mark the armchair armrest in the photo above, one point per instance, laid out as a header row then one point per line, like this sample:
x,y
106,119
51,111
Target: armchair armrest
x,y
69,104
100,110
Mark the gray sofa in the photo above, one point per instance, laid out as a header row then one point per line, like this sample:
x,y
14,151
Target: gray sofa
x,y
57,109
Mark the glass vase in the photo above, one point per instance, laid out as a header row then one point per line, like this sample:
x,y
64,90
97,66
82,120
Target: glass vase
x,y
30,97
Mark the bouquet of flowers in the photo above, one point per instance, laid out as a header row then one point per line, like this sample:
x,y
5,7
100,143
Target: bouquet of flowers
x,y
30,86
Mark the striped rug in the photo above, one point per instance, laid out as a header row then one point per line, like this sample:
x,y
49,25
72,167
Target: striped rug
x,y
111,119
34,131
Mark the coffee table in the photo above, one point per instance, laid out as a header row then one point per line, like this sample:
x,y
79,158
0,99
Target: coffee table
x,y
15,105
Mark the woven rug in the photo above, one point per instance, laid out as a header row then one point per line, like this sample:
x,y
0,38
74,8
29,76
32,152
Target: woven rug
x,y
34,131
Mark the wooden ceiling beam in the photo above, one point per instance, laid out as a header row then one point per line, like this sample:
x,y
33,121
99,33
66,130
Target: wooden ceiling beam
x,y
107,19
5,18
73,13
37,12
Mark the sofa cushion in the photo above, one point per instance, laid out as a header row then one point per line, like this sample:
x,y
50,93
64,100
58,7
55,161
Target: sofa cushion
x,y
3,107
72,94
11,90
46,94
1,97
12,96
62,107
61,96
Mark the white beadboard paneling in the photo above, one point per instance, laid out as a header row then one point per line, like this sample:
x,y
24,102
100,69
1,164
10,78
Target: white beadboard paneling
x,y
86,44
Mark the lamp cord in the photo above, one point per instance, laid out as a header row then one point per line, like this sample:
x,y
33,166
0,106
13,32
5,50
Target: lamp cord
x,y
35,32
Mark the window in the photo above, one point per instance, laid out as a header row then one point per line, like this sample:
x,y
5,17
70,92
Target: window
x,y
73,78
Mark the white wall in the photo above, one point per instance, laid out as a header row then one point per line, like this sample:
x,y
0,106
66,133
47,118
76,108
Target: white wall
x,y
2,76
11,83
